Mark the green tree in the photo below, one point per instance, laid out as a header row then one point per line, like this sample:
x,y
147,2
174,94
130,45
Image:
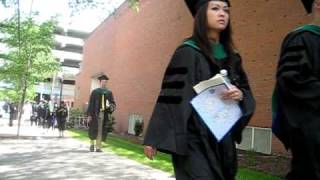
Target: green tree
x,y
134,4
26,62
78,5
29,59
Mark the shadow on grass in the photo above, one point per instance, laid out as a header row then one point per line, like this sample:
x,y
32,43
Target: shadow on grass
x,y
162,161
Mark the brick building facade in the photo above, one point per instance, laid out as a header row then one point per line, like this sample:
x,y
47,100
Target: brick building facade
x,y
133,49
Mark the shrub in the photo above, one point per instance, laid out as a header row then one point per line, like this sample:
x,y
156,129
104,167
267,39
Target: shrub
x,y
111,123
74,113
138,127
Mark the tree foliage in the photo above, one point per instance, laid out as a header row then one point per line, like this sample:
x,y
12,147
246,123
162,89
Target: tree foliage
x,y
8,3
78,5
29,59
134,4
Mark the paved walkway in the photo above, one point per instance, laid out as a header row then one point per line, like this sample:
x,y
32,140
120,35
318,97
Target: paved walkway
x,y
39,155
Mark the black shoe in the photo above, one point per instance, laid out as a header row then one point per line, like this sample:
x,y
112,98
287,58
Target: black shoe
x,y
98,150
92,148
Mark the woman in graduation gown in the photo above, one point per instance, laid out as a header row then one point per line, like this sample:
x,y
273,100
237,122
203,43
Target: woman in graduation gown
x,y
62,114
175,127
297,97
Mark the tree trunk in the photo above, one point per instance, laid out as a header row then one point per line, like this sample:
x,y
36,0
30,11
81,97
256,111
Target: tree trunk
x,y
20,111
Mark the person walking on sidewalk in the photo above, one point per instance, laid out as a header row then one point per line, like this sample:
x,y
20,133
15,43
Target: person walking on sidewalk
x,y
12,112
296,100
61,114
100,107
175,127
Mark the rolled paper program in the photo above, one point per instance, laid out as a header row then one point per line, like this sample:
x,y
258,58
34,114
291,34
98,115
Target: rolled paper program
x,y
107,104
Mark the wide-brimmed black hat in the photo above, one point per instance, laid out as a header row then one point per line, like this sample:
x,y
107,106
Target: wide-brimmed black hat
x,y
194,5
308,5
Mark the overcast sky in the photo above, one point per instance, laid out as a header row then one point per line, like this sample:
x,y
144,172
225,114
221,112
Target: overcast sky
x,y
87,20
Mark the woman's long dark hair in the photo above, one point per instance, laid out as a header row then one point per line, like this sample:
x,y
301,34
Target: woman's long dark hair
x,y
200,34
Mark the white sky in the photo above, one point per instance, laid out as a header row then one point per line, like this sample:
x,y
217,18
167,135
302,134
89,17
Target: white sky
x,y
87,20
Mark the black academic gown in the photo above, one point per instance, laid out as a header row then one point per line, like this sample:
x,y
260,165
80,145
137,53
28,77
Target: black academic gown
x,y
94,110
62,114
298,97
176,128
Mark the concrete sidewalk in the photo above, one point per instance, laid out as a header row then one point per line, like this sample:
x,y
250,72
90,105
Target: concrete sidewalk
x,y
39,155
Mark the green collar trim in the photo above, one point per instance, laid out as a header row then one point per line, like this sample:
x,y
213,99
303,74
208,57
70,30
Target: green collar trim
x,y
191,43
309,27
218,50
103,90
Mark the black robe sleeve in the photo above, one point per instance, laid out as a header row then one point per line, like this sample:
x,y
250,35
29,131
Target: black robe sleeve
x,y
247,105
298,85
67,112
62,112
91,105
167,130
296,73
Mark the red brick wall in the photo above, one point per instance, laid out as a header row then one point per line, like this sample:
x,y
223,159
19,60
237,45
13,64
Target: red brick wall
x,y
134,49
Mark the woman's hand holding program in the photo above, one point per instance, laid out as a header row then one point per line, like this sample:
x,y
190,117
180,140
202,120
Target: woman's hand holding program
x,y
234,93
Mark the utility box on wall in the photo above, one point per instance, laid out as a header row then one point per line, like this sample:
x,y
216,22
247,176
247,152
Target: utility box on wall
x,y
256,139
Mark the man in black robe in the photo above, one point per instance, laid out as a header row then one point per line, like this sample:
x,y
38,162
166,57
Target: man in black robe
x,y
101,105
296,100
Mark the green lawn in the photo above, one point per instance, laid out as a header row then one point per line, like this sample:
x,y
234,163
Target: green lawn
x,y
162,161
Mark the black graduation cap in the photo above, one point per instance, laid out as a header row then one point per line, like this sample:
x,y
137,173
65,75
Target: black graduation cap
x,y
103,77
194,5
308,5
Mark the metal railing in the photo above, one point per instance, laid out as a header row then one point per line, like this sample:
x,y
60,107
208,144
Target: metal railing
x,y
78,122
